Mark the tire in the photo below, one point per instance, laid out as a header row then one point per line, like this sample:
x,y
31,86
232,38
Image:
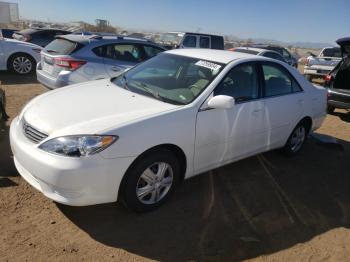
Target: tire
x,y
330,109
143,188
21,64
296,140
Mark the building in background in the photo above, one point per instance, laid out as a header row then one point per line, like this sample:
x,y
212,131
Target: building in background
x,y
8,13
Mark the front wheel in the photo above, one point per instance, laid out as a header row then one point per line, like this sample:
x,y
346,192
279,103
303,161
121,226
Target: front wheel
x,y
150,181
296,140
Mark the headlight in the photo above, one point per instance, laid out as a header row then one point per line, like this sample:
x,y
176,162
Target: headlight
x,y
77,146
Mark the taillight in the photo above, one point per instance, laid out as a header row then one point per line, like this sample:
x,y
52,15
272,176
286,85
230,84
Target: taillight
x,y
69,64
327,78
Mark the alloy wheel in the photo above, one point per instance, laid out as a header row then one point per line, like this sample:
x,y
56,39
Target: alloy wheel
x,y
154,183
22,65
297,138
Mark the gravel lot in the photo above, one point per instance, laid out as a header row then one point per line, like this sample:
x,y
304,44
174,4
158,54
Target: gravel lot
x,y
265,208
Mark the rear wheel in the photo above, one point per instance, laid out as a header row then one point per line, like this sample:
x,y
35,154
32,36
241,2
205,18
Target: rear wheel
x,y
330,109
296,140
22,64
150,181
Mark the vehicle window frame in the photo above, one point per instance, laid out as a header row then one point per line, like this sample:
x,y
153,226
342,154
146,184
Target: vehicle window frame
x,y
283,69
258,68
209,41
190,35
104,46
146,57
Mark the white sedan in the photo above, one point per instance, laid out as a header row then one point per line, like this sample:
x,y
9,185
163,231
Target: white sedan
x,y
18,57
134,137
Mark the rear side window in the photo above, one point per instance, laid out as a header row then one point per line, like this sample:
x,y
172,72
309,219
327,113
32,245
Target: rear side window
x,y
273,56
190,41
151,51
331,52
278,81
204,42
122,52
62,47
217,42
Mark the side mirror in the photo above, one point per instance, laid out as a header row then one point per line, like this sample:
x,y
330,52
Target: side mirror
x,y
221,102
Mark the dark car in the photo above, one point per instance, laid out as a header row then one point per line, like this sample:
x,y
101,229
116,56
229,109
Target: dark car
x,y
7,33
290,59
39,36
338,80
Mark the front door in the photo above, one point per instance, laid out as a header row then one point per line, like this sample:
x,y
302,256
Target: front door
x,y
223,135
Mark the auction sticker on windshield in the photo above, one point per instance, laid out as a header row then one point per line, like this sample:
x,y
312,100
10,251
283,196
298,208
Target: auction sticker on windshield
x,y
212,66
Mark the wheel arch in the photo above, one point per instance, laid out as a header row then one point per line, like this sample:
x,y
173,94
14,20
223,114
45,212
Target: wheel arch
x,y
18,53
307,120
176,150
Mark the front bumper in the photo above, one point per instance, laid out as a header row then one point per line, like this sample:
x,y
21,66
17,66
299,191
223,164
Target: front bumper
x,y
67,180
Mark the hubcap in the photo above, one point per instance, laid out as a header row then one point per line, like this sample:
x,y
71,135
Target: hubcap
x,y
22,65
154,183
298,138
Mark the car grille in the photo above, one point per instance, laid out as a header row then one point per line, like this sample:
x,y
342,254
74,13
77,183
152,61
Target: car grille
x,y
33,134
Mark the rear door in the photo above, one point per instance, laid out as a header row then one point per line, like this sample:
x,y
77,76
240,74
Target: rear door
x,y
119,57
284,102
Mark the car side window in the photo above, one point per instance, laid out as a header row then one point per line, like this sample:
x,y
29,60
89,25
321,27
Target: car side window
x,y
278,81
286,54
122,52
204,42
151,51
272,55
190,41
241,82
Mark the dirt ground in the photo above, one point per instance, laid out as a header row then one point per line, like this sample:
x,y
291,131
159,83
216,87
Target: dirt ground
x,y
265,208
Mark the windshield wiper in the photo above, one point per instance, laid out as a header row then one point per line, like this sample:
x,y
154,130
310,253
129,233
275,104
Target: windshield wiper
x,y
125,86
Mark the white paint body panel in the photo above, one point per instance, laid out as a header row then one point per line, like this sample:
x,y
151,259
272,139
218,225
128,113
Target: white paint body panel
x,y
9,47
208,138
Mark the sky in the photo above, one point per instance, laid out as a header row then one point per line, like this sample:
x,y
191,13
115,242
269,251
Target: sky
x,y
284,20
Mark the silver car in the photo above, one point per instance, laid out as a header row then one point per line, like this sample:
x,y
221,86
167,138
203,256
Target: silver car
x,y
71,59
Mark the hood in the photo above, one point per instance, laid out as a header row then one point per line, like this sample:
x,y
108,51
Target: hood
x,y
89,108
21,43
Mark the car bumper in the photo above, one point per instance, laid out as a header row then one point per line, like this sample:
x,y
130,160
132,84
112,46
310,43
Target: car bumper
x,y
49,81
67,180
339,104
316,71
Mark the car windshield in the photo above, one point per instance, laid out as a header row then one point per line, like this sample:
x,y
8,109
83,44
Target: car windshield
x,y
170,78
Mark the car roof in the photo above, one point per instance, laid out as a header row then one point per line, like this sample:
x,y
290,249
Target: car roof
x,y
259,50
219,56
88,39
36,30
